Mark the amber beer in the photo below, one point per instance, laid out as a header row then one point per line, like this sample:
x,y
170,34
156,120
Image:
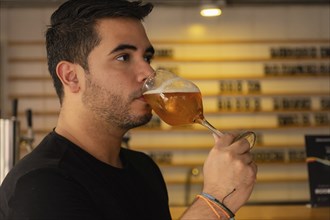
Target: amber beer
x,y
176,108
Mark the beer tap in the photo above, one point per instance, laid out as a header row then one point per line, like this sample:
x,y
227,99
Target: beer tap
x,y
15,132
28,139
126,139
14,109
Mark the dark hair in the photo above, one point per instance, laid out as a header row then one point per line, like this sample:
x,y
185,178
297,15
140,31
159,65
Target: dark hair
x,y
72,34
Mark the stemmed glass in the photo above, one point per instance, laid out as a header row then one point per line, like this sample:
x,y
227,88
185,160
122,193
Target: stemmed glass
x,y
178,101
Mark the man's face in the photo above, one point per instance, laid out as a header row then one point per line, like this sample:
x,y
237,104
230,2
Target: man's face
x,y
118,67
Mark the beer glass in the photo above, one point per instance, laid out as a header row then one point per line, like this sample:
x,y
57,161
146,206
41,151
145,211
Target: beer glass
x,y
178,101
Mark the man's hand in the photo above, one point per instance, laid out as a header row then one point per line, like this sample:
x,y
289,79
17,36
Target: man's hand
x,y
229,171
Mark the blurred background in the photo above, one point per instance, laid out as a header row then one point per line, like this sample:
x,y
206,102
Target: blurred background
x,y
262,65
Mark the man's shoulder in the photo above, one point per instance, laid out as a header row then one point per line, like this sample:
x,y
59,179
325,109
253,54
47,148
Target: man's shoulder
x,y
46,156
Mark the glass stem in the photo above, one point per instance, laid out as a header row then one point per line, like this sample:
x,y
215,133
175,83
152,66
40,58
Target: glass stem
x,y
206,124
248,135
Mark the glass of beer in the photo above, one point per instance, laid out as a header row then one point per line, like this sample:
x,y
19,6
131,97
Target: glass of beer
x,y
178,101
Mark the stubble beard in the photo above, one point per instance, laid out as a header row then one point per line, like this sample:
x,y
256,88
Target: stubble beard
x,y
112,109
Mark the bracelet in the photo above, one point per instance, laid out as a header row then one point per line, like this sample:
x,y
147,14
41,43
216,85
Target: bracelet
x,y
224,208
210,205
215,204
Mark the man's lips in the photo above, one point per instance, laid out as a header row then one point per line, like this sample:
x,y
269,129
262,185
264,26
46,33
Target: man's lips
x,y
141,98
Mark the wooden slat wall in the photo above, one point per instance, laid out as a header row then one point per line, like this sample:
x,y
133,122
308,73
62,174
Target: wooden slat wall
x,y
225,53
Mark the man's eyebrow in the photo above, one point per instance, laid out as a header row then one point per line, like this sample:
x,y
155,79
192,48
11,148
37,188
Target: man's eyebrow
x,y
131,47
120,47
123,47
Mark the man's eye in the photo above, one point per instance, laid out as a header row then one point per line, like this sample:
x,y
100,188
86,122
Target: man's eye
x,y
148,58
123,57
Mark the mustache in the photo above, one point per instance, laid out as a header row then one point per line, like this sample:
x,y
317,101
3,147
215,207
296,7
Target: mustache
x,y
135,95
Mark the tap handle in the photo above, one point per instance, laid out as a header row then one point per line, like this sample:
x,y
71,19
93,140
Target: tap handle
x,y
29,117
126,139
14,110
29,138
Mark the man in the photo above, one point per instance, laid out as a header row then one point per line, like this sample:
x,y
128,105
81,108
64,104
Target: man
x,y
99,56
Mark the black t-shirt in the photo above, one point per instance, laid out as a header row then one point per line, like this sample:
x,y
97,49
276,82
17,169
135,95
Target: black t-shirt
x,y
58,180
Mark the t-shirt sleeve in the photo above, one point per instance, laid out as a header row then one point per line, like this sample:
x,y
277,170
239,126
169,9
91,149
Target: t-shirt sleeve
x,y
49,194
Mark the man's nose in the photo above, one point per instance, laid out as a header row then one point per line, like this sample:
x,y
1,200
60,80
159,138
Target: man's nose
x,y
147,72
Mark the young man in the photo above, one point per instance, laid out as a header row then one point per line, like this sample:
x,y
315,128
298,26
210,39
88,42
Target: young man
x,y
99,56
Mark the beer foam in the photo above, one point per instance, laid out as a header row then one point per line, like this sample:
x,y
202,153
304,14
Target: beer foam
x,y
191,89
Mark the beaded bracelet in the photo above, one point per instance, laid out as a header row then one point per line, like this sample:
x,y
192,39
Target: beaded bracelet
x,y
225,210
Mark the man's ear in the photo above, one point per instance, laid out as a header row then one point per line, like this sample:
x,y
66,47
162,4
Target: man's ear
x,y
67,73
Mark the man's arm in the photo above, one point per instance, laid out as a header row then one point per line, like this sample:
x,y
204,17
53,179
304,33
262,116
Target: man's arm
x,y
229,176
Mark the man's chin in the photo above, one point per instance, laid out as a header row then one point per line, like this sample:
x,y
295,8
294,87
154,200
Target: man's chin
x,y
139,121
146,119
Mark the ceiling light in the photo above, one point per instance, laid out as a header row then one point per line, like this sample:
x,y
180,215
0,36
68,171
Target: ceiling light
x,y
211,8
210,11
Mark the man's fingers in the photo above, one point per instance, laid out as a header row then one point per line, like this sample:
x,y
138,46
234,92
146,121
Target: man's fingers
x,y
241,146
223,141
